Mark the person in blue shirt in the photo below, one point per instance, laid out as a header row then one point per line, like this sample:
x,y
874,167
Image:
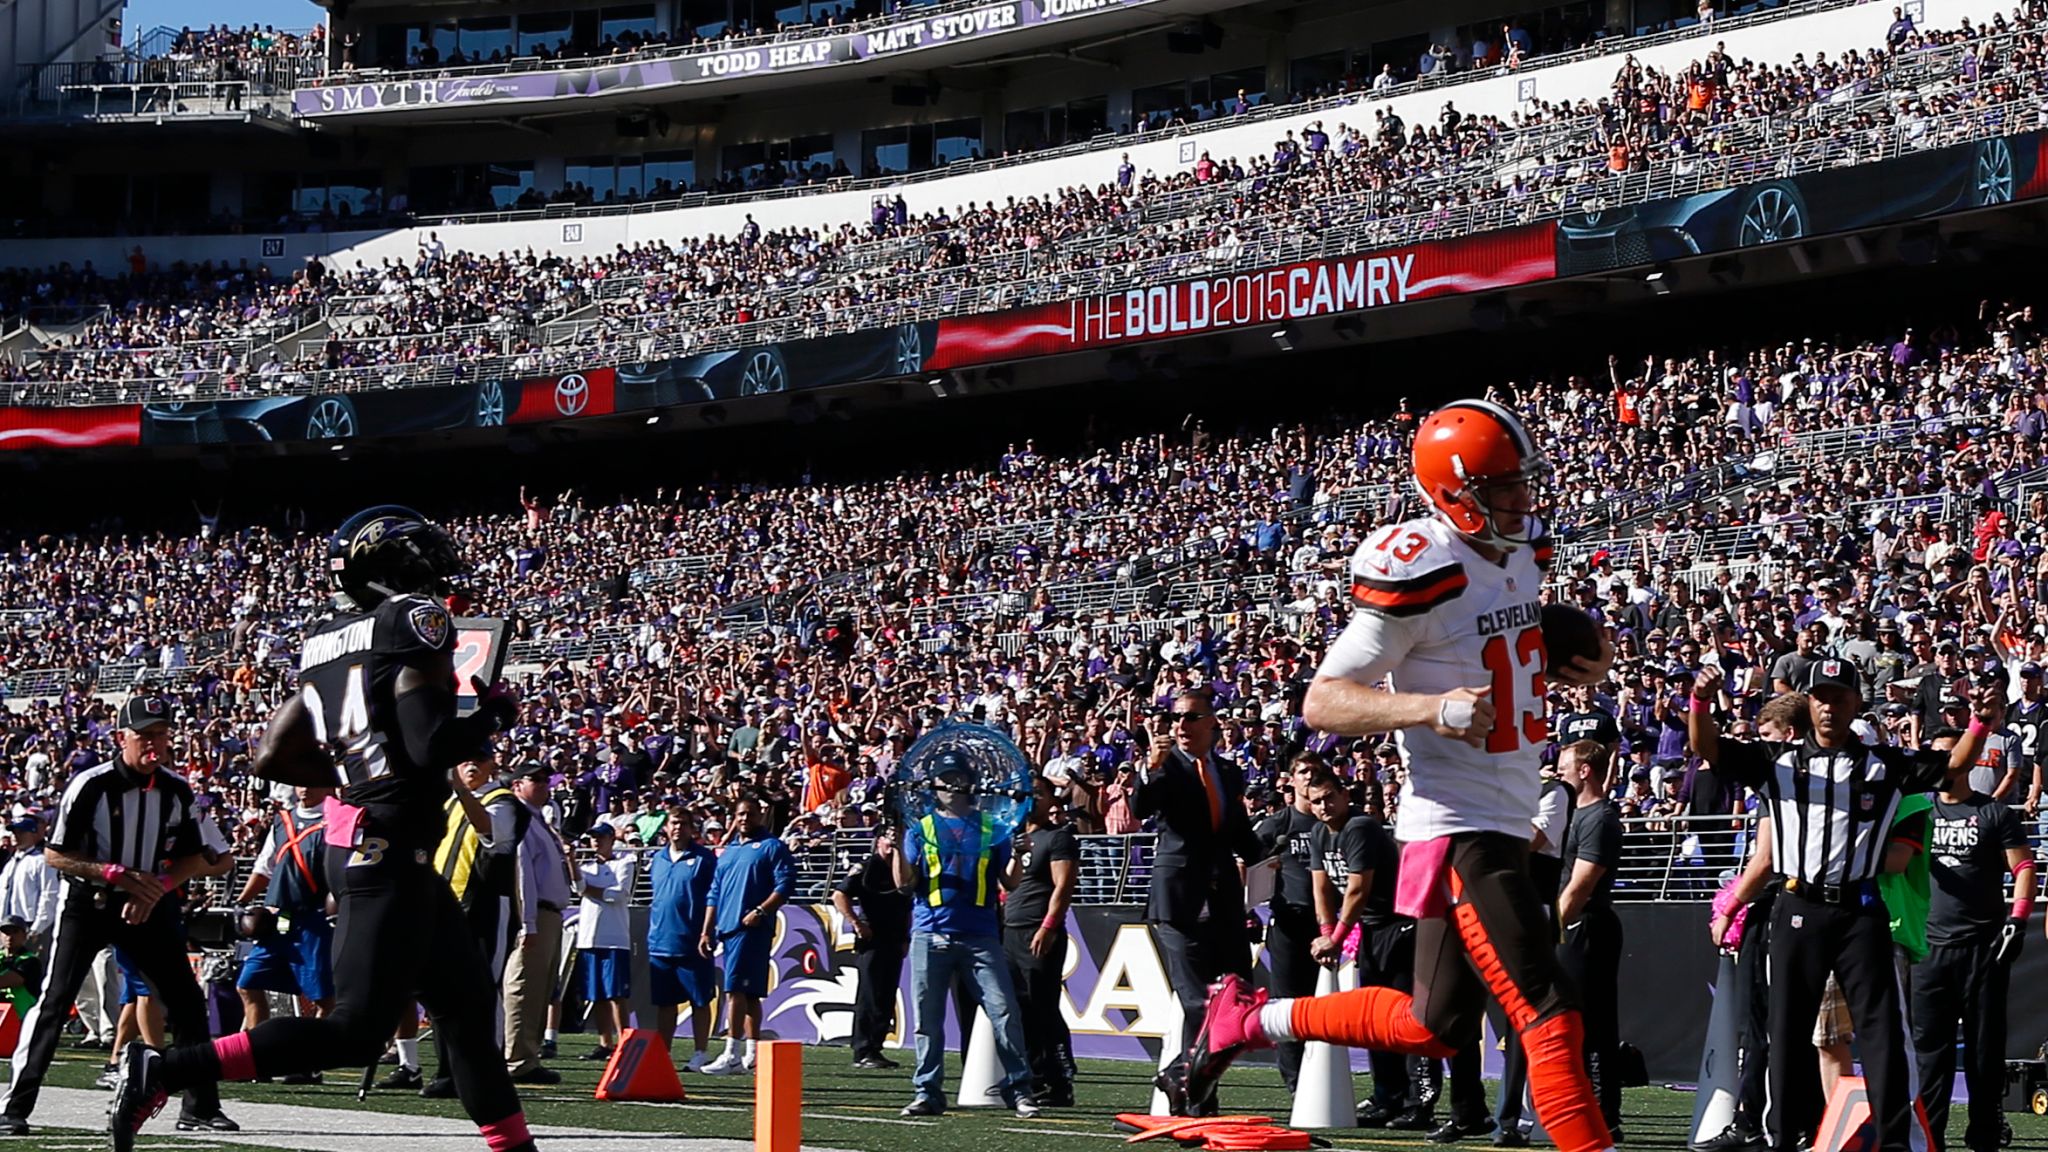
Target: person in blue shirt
x,y
952,862
678,971
755,876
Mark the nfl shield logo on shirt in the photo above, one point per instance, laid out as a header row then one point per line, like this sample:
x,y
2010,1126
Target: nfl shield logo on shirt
x,y
1799,921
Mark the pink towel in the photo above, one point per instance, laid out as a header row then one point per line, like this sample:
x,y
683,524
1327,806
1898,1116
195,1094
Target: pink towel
x,y
1424,890
343,819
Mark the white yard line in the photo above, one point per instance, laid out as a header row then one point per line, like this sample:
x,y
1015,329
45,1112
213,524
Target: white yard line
x,y
64,1110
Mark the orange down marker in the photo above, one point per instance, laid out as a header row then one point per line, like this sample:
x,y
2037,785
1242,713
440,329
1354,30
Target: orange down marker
x,y
778,1095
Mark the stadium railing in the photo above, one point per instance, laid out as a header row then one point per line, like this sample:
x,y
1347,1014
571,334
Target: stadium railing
x,y
1748,15
122,84
1361,234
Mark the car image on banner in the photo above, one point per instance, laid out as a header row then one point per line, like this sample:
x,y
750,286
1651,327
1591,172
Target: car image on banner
x,y
879,354
331,415
1916,185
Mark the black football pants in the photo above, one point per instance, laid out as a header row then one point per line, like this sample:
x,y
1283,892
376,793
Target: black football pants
x,y
401,937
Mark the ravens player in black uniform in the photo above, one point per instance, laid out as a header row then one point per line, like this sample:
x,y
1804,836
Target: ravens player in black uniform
x,y
375,713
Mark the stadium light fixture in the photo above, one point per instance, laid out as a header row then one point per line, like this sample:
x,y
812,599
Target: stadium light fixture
x,y
1283,337
1801,259
1661,281
654,419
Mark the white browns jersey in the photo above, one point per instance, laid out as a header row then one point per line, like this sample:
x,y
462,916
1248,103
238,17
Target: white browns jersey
x,y
1431,614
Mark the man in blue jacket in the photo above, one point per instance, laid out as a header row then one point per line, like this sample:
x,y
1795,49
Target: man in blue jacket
x,y
677,971
755,876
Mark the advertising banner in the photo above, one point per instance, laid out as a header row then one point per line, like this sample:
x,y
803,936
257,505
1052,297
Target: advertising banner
x,y
1118,1000
570,396
105,426
712,64
1918,185
481,403
1226,301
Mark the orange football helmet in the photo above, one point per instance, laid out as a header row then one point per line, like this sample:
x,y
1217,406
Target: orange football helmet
x,y
1466,447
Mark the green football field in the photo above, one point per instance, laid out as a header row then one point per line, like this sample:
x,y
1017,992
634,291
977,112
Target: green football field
x,y
847,1109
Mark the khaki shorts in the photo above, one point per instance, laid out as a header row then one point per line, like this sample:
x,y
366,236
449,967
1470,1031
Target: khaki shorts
x,y
1834,1025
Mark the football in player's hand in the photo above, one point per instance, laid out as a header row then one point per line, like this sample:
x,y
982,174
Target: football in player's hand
x,y
1568,634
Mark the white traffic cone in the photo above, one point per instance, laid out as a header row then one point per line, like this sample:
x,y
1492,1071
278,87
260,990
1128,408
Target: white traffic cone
x,y
1169,1047
1713,1105
981,1078
1322,1091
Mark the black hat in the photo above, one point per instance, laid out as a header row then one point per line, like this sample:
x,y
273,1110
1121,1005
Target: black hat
x,y
141,713
533,770
13,924
1832,673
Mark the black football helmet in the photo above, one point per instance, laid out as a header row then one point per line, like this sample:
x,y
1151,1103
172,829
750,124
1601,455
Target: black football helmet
x,y
389,551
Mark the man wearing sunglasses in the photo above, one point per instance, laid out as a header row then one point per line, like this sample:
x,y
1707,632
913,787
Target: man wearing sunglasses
x,y
1196,901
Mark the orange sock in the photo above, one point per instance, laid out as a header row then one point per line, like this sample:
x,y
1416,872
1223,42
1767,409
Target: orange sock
x,y
1559,1086
1377,1018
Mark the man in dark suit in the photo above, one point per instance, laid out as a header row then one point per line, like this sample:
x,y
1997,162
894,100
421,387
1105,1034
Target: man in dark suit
x,y
1196,901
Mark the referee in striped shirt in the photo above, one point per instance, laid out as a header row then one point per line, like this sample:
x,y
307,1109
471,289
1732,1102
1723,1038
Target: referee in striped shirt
x,y
126,836
1831,799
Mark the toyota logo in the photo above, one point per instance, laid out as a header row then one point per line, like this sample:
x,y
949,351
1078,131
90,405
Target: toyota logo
x,y
572,394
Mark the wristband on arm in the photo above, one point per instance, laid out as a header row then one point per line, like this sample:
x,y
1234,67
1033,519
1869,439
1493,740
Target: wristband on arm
x,y
2022,909
1050,921
1977,727
112,873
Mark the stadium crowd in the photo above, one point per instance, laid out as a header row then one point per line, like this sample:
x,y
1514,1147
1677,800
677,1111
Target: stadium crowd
x,y
1719,120
799,635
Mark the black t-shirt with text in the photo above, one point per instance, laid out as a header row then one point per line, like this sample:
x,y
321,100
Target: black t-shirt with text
x,y
1597,724
1290,834
1966,845
1361,844
1036,852
1594,835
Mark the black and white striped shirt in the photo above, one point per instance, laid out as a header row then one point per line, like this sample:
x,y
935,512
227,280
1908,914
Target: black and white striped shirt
x,y
1831,808
115,815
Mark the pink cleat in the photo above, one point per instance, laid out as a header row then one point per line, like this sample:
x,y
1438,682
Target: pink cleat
x,y
1230,1026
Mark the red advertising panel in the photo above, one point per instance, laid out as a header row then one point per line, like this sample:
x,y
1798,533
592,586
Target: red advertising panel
x,y
570,396
1247,299
108,425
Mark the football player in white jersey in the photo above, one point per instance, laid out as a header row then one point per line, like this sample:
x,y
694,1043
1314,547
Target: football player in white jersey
x,y
1446,649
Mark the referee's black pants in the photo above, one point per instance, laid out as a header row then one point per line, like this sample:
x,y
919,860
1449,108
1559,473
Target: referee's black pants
x,y
156,947
401,937
1961,983
1038,980
1290,929
1590,955
1854,939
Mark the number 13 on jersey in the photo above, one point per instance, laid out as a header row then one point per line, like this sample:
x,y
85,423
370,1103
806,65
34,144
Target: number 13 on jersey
x,y
1520,693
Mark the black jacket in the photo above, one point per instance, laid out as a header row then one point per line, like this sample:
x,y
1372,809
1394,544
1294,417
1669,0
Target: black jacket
x,y
1194,864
